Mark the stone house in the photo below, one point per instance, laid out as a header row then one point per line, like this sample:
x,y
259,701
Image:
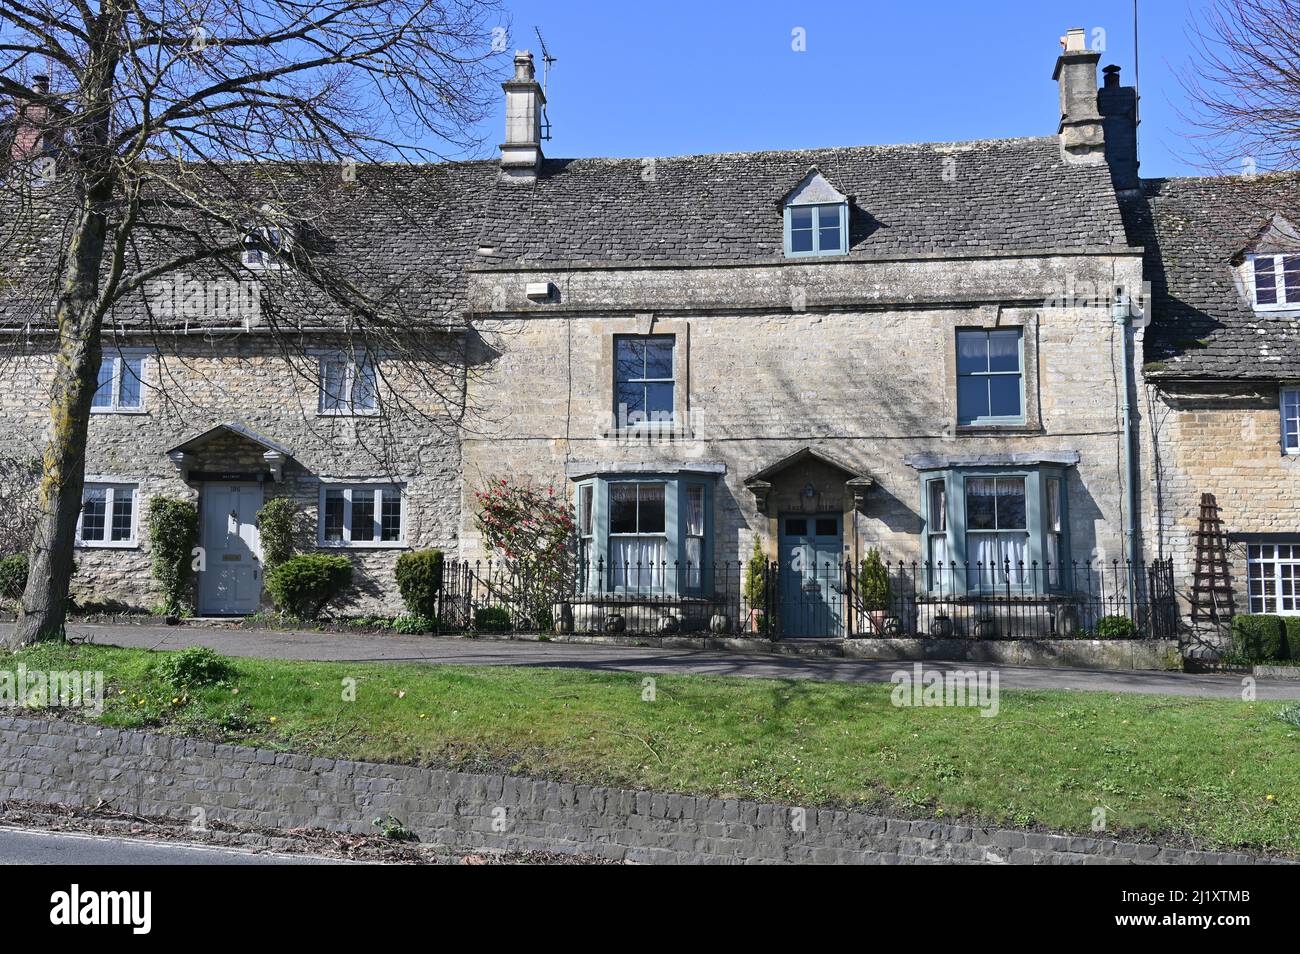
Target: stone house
x,y
921,349
912,348
1222,372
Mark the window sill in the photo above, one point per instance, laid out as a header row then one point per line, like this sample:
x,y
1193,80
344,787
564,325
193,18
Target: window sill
x,y
119,410
993,427
648,433
374,413
365,545
108,545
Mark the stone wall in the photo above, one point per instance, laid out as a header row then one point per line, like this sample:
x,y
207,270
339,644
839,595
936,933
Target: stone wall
x,y
856,359
1223,439
54,762
193,384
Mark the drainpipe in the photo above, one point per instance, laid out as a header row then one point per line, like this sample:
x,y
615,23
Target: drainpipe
x,y
1121,315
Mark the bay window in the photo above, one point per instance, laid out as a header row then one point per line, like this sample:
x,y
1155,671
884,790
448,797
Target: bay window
x,y
1002,526
644,533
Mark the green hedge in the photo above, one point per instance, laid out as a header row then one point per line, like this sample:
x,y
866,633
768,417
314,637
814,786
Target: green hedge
x,y
1116,627
419,580
492,619
1260,637
13,576
173,531
302,585
1292,636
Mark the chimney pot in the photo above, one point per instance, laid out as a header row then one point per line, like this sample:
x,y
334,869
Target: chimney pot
x,y
1073,41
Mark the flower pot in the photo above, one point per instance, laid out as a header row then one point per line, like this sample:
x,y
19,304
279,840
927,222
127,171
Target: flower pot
x,y
876,622
986,627
1065,621
562,614
941,627
893,626
719,624
755,622
615,623
668,624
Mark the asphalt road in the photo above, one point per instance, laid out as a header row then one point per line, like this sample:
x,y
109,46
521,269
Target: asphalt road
x,y
24,846
350,647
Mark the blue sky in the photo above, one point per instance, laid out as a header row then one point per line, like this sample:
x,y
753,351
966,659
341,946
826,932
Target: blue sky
x,y
672,78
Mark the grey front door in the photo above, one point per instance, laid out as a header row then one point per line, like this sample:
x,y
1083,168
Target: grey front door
x,y
812,597
230,582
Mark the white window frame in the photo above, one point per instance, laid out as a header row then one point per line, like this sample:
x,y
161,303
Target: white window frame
x,y
1289,405
111,486
349,490
117,357
350,365
1279,284
1254,559
263,253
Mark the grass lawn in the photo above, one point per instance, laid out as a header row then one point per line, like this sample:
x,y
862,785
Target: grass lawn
x,y
1223,774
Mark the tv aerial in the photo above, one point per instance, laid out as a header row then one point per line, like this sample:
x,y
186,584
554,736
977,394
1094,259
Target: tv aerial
x,y
547,60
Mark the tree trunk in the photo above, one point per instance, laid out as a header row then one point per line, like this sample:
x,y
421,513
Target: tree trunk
x,y
44,603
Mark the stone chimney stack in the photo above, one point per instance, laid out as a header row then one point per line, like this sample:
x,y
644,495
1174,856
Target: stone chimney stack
x,y
29,120
1118,106
1082,140
521,153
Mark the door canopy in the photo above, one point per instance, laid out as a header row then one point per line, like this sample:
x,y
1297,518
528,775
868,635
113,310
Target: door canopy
x,y
230,451
809,481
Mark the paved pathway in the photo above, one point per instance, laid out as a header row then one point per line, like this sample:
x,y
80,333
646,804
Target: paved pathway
x,y
351,647
26,846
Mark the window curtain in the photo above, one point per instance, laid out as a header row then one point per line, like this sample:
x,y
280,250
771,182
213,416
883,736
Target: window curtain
x,y
638,562
995,554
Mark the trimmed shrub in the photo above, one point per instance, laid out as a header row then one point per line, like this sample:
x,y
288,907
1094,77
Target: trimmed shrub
x,y
1116,627
419,580
13,576
173,532
1292,624
1259,638
492,619
192,668
275,522
413,625
873,582
302,585
756,578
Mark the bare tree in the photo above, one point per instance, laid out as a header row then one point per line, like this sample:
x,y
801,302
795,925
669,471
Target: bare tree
x,y
1244,85
159,138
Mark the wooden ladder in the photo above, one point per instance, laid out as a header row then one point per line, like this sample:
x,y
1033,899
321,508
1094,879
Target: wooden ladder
x,y
1211,585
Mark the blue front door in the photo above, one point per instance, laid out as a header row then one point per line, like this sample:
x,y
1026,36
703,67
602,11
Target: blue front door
x,y
812,598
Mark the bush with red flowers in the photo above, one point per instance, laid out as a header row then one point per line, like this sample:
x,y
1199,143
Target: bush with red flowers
x,y
528,530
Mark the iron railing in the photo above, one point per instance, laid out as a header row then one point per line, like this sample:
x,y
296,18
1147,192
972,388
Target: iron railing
x,y
972,600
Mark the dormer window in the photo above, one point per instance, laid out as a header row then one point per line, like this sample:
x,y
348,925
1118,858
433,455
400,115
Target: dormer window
x,y
265,248
816,218
1276,281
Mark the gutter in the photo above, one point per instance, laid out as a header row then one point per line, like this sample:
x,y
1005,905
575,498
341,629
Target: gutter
x,y
1122,314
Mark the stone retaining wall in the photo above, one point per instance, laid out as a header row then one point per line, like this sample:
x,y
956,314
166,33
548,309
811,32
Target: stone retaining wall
x,y
56,762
